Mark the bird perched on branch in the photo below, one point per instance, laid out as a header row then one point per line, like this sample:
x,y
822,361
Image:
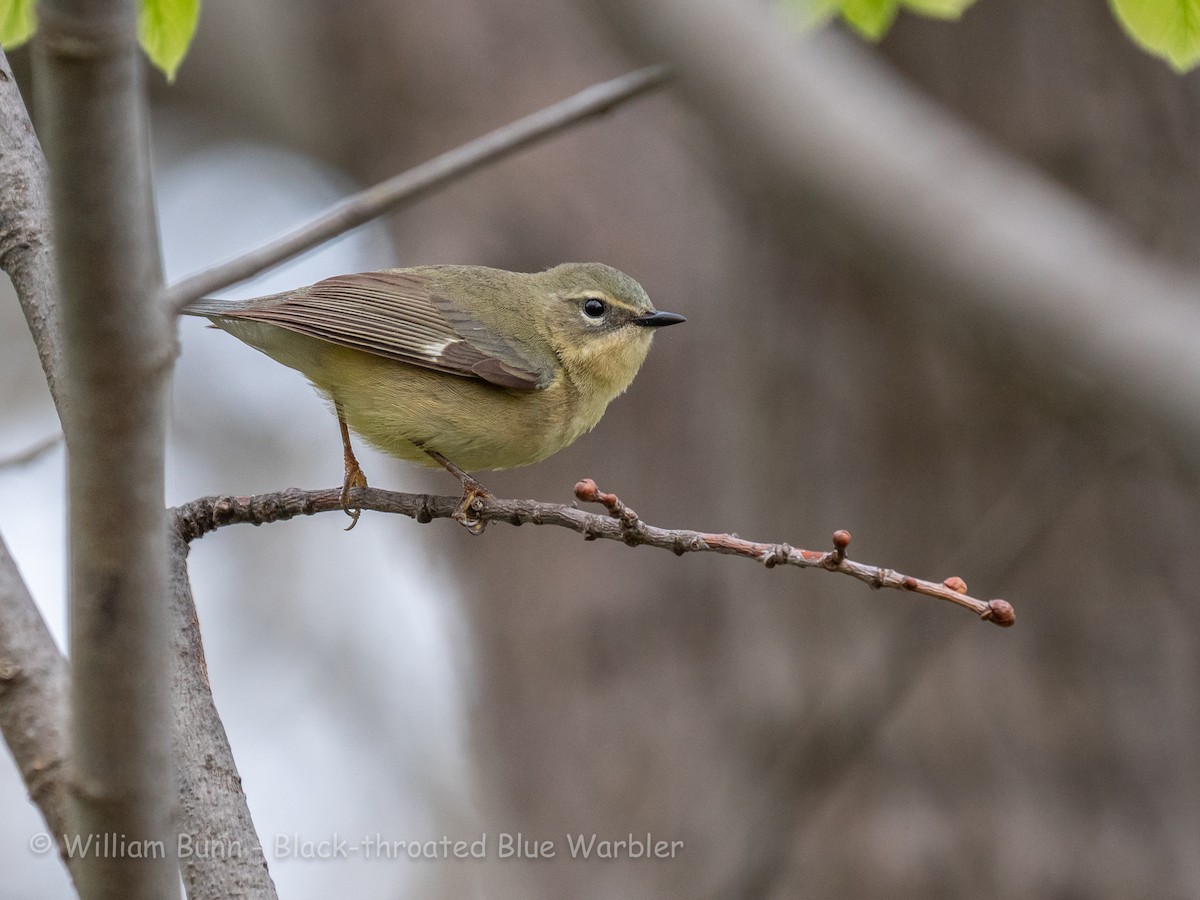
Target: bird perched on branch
x,y
465,367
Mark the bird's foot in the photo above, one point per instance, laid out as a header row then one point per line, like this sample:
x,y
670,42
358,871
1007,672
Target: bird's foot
x,y
467,513
355,478
473,492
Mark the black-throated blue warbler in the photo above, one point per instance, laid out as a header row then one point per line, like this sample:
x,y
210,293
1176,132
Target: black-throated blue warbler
x,y
466,367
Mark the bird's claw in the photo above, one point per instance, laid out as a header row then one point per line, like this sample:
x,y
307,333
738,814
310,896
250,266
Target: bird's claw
x,y
355,478
466,513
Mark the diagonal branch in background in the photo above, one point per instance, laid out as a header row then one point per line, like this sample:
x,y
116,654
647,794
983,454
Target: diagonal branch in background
x,y
197,518
416,183
1080,309
32,453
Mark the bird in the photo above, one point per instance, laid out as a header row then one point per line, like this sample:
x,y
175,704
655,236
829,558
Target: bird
x,y
465,367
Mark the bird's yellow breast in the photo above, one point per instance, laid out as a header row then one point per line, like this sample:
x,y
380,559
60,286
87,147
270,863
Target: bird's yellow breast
x,y
403,410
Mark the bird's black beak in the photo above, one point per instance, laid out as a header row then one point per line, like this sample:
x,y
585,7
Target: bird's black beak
x,y
658,319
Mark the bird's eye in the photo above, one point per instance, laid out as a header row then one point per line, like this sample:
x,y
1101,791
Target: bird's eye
x,y
594,308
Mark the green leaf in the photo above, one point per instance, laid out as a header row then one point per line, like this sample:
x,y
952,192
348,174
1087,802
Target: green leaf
x,y
808,15
938,9
165,29
871,18
17,22
1166,28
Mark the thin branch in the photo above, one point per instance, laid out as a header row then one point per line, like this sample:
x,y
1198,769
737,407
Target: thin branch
x,y
197,518
416,183
117,344
1079,307
32,453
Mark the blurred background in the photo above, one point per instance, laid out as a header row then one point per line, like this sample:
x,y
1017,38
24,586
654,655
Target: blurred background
x,y
799,733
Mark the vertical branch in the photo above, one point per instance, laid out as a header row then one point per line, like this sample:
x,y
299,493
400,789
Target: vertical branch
x,y
116,345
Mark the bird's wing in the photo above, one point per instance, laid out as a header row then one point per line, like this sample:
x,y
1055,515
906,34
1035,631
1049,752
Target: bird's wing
x,y
396,315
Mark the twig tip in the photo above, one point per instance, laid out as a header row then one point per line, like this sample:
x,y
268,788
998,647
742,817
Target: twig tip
x,y
587,491
1001,612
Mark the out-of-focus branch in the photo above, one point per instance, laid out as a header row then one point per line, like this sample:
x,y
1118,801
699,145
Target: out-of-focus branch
x,y
197,518
977,231
32,453
414,184
116,342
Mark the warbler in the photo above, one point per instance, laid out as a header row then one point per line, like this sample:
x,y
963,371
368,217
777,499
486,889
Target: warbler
x,y
466,367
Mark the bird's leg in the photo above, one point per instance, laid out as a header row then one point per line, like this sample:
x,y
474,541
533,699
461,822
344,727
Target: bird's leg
x,y
472,490
355,478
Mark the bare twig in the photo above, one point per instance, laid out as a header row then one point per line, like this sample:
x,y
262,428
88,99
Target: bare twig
x,y
197,518
31,453
117,343
418,182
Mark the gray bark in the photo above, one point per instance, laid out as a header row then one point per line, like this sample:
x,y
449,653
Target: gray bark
x,y
117,350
